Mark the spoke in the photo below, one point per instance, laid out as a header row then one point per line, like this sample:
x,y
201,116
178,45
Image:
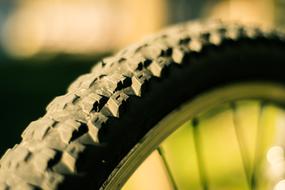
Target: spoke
x,y
166,165
242,146
198,149
253,180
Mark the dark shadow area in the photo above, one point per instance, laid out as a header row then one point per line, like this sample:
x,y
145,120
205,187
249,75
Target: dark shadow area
x,y
27,86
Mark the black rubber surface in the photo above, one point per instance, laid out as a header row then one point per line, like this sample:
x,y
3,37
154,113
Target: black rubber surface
x,y
85,133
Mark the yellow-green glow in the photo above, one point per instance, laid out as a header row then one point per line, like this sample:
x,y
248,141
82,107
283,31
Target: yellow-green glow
x,y
220,150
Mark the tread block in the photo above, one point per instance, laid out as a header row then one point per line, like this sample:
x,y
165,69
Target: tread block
x,y
136,62
116,82
61,102
99,104
81,130
25,186
75,149
157,66
184,41
89,138
66,132
66,165
139,81
195,45
38,129
71,130
89,82
14,157
103,91
97,120
179,55
124,82
44,158
98,68
93,102
82,81
215,38
24,177
151,52
116,102
19,155
232,33
5,159
52,180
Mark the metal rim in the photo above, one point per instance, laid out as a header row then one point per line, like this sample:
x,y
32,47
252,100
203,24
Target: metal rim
x,y
256,90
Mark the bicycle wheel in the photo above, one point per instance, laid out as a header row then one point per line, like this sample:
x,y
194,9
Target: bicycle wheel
x,y
102,129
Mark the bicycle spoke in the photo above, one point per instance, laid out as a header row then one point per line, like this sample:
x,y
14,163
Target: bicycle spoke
x,y
165,163
253,179
242,146
197,144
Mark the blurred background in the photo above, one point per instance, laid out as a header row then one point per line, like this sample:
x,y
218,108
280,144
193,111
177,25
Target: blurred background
x,y
45,45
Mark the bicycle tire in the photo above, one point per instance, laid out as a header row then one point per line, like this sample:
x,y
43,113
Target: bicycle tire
x,y
86,133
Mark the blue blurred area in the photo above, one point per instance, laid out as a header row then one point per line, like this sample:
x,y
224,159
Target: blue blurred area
x,y
6,7
183,10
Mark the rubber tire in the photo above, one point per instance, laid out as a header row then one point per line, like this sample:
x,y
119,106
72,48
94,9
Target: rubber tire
x,y
87,132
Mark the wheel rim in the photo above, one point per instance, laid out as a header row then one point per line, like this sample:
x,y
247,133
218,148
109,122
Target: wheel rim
x,y
230,96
